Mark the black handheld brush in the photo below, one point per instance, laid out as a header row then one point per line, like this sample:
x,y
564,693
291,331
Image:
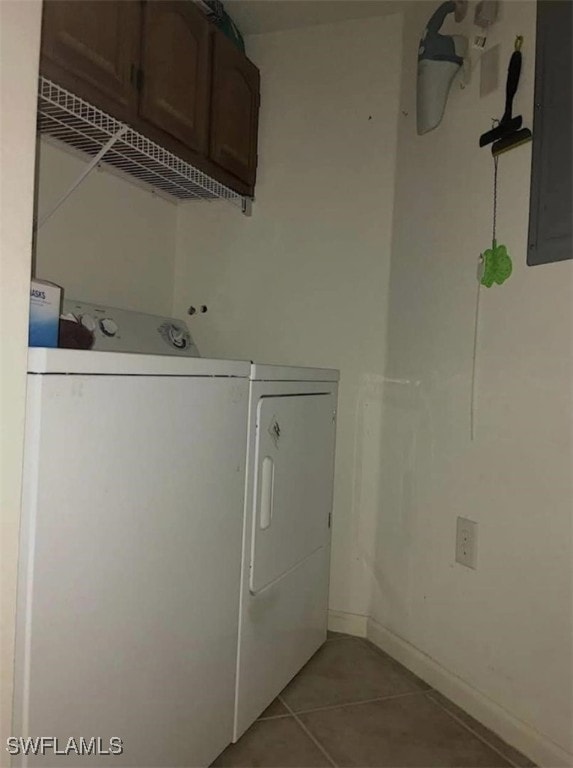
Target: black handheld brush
x,y
507,134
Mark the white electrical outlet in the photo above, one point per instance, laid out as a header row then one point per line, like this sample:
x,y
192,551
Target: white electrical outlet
x,y
466,542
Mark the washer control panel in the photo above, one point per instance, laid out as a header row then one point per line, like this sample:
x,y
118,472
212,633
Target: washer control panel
x,y
121,330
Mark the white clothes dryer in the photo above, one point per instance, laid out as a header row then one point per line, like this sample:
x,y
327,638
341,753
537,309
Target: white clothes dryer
x,y
286,535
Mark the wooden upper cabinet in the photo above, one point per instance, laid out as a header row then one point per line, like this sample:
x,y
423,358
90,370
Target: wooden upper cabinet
x,y
176,71
234,110
91,47
161,67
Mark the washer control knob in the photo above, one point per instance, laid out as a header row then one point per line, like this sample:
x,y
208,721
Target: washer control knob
x,y
177,337
108,326
88,323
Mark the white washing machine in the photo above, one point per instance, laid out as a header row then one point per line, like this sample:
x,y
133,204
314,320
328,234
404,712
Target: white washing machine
x,y
130,547
286,536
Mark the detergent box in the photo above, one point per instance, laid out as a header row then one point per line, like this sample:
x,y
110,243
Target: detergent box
x,y
45,300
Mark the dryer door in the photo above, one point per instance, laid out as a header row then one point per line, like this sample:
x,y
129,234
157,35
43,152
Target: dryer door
x,y
293,483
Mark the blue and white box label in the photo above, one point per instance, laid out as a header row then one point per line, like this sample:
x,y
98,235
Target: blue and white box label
x,y
45,300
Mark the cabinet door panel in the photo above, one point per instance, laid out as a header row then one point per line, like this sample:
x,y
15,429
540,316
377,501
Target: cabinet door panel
x,y
92,48
234,110
176,71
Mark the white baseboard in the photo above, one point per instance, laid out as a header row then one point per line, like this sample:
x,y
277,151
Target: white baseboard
x,y
518,734
349,623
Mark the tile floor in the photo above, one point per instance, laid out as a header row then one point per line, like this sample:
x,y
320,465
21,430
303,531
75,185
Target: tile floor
x,y
352,705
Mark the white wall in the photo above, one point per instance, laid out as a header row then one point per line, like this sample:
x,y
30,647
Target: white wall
x,y
304,281
19,50
505,629
111,242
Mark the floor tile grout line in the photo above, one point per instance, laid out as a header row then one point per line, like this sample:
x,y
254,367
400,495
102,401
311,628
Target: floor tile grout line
x,y
308,733
471,730
354,703
273,717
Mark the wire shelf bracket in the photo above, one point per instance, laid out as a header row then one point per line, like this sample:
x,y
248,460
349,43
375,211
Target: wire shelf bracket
x,y
69,119
84,174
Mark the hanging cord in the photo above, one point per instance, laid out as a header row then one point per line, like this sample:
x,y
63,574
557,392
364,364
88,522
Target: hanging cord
x,y
476,319
495,159
474,365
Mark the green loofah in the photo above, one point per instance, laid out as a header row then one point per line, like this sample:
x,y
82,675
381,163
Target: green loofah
x,y
497,265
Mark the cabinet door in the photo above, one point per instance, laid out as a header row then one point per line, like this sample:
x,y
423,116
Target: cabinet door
x,y
234,110
92,48
176,71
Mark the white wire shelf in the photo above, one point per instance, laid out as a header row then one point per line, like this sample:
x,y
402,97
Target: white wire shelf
x,y
69,119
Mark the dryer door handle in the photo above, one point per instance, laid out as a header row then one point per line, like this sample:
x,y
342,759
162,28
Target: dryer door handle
x,y
267,488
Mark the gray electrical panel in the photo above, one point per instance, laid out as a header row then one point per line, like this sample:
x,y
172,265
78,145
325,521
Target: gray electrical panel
x,y
551,206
